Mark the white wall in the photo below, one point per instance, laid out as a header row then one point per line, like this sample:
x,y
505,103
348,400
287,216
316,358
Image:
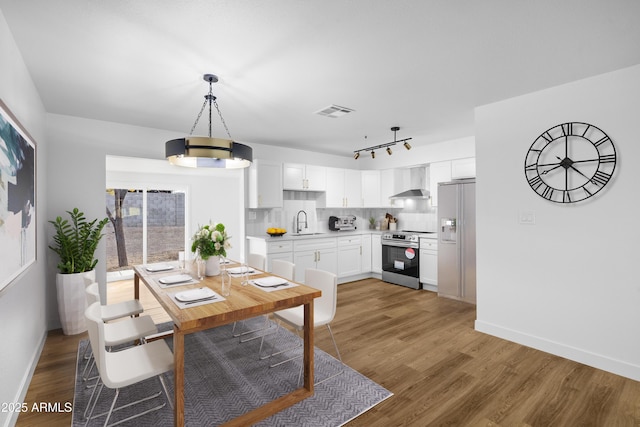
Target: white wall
x,y
215,195
23,308
568,284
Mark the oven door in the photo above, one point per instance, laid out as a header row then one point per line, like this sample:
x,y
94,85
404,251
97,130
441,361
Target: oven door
x,y
401,263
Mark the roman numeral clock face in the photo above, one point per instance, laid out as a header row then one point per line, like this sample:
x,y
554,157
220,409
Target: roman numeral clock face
x,y
570,162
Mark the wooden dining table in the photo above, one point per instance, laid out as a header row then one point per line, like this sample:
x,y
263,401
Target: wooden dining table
x,y
244,302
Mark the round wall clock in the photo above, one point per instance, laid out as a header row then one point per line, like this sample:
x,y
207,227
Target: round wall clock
x,y
570,162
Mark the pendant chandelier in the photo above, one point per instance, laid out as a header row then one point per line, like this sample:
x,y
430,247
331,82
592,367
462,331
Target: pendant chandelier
x,y
208,152
387,146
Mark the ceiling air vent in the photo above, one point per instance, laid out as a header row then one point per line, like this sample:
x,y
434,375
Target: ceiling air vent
x,y
334,111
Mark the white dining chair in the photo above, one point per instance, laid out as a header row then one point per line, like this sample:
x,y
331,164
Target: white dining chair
x,y
324,309
124,331
256,261
113,311
283,268
125,367
109,312
279,268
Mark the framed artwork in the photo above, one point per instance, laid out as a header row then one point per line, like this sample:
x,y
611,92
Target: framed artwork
x,y
17,198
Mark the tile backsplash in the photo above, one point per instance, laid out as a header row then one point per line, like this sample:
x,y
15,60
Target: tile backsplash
x,y
416,215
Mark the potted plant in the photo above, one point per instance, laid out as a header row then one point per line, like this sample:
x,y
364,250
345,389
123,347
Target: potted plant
x,y
75,242
209,243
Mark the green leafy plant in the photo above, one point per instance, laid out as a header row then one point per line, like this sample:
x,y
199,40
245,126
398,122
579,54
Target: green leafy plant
x,y
211,240
76,242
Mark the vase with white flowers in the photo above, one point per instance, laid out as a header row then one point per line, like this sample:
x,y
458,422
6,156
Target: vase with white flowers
x,y
210,243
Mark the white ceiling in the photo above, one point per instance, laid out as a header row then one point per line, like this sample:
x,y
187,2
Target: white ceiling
x,y
422,65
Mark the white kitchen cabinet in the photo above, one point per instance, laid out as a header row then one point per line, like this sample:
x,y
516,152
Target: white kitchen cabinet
x,y
463,168
392,182
303,177
438,172
279,250
315,253
429,262
371,189
376,253
349,256
365,257
265,184
344,188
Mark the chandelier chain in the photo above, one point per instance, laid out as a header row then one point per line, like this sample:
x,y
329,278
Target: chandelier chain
x,y
211,99
221,119
204,104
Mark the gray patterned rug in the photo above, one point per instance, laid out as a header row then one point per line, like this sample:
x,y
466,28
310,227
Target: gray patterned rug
x,y
225,379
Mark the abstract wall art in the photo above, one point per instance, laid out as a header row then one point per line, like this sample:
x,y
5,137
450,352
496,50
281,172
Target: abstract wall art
x,y
17,198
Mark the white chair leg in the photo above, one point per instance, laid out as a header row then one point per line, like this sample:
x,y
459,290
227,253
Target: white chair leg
x,y
166,392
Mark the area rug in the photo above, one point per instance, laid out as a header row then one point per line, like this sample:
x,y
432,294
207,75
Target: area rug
x,y
225,379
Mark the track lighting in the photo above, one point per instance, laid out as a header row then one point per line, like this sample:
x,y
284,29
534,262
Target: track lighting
x,y
387,146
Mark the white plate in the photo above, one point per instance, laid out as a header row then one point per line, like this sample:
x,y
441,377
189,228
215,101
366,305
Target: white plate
x,y
178,278
240,270
159,267
194,294
270,281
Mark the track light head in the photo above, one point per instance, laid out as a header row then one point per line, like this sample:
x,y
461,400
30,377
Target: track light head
x,y
373,154
389,150
407,146
356,155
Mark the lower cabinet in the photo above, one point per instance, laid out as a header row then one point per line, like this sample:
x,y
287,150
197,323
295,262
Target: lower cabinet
x,y
366,253
376,253
314,253
346,256
349,256
279,250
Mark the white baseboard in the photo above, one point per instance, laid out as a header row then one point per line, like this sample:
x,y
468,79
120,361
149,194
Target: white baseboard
x,y
599,361
26,380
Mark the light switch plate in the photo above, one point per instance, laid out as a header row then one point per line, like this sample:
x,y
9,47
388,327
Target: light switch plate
x,y
527,217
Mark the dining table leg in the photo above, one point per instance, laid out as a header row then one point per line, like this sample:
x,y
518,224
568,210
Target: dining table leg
x,y
136,286
178,375
308,346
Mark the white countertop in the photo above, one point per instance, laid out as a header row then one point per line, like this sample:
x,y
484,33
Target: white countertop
x,y
328,234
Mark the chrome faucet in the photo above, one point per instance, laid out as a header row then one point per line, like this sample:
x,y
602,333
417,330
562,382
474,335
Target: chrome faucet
x,y
298,228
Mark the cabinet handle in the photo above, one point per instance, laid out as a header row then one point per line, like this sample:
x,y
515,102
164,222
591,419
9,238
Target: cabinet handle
x,y
318,255
360,250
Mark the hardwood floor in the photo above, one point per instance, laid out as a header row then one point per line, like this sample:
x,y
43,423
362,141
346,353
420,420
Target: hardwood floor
x,y
424,349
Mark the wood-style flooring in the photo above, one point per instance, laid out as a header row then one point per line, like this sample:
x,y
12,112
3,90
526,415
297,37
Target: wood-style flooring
x,y
422,348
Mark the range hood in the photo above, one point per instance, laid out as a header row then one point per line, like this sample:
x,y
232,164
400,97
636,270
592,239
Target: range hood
x,y
417,177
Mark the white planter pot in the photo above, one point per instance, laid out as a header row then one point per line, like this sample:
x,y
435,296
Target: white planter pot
x,y
212,266
72,300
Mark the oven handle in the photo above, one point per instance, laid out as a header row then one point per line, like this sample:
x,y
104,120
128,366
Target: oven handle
x,y
401,244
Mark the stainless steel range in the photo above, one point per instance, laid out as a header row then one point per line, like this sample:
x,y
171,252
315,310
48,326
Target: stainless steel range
x,y
401,257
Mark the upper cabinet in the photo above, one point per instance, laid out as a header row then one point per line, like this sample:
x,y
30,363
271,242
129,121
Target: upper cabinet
x,y
304,177
344,188
463,168
371,189
448,170
265,184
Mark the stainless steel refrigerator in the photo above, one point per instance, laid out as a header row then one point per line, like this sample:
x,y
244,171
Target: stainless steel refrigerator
x,y
457,240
